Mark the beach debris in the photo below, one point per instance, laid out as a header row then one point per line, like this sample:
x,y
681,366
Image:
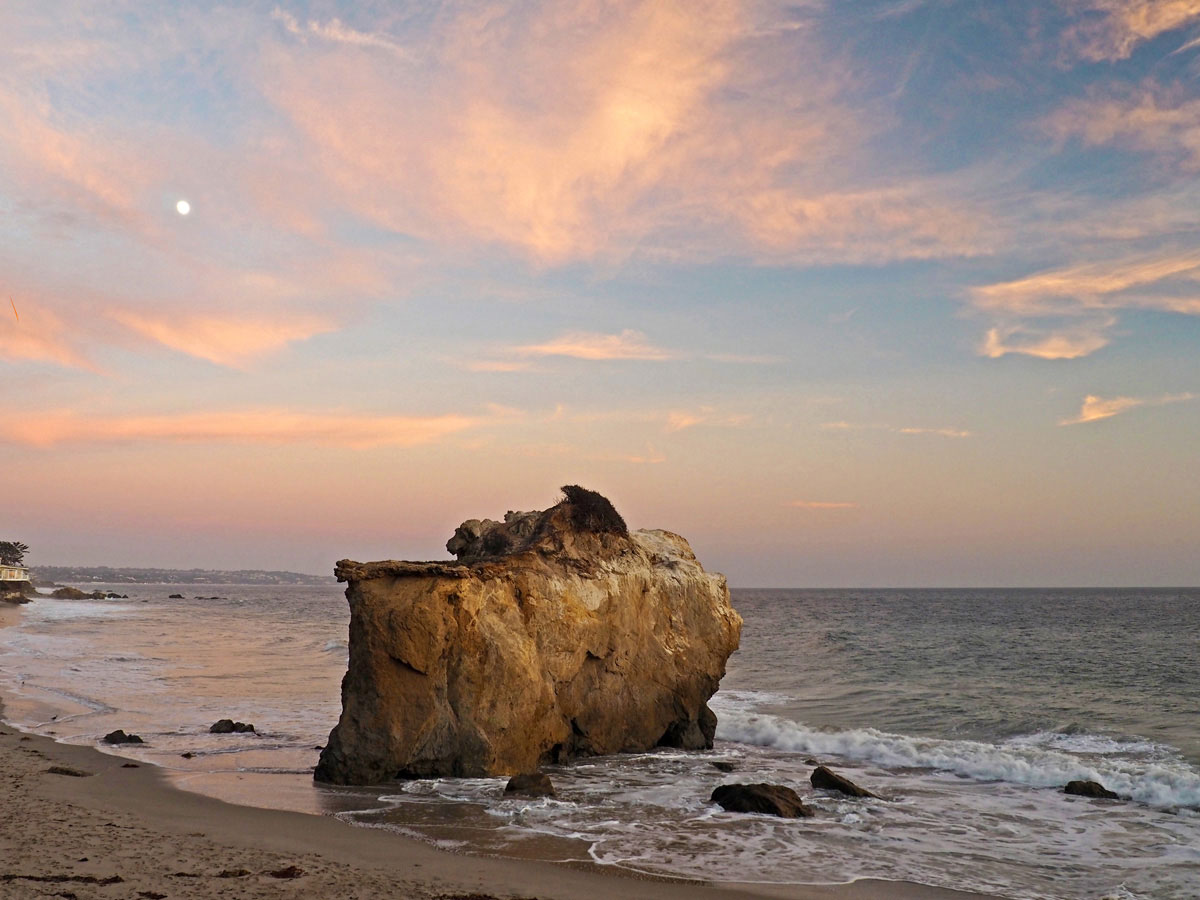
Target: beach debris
x,y
67,770
722,765
130,766
233,873
151,895
287,872
120,737
556,635
769,799
824,778
531,784
174,596
188,754
1090,789
228,726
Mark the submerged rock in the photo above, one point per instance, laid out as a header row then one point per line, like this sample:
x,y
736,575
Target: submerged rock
x,y
826,779
557,635
120,737
533,784
769,799
1090,789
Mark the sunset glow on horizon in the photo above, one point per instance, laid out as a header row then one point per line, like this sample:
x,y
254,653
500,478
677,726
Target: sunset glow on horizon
x,y
873,294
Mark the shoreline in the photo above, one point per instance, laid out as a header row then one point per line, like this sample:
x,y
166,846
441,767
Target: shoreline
x,y
127,821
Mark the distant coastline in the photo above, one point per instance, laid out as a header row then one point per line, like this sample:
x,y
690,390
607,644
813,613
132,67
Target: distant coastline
x,y
133,575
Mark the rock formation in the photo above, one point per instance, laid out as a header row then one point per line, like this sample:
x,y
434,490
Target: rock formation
x,y
1090,789
824,778
556,635
768,799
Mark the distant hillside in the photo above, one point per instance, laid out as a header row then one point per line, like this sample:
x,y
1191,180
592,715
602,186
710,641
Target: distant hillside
x,y
107,575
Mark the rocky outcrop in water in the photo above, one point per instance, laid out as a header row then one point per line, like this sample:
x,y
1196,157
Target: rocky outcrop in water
x,y
556,635
768,799
1090,789
824,778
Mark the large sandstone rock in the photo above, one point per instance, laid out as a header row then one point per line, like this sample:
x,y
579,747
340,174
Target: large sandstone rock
x,y
557,635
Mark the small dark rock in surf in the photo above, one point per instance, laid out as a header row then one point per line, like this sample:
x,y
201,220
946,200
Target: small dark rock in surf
x,y
826,779
722,766
120,737
228,726
532,784
771,799
1090,789
174,596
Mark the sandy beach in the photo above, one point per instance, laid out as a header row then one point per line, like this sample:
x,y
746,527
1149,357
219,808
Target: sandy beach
x,y
76,822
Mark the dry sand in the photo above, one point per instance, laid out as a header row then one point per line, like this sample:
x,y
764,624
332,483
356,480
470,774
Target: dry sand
x,y
106,828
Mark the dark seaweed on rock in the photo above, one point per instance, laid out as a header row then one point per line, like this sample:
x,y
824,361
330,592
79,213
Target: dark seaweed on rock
x,y
593,512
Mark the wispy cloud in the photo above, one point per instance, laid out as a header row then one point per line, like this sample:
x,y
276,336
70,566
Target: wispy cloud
x,y
592,345
897,429
1069,312
1096,408
1066,342
630,132
1114,28
939,432
1152,119
334,30
39,335
233,341
681,419
263,426
820,504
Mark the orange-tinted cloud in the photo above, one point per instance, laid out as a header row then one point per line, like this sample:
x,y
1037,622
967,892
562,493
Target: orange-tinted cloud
x,y
39,335
265,426
1096,408
820,504
1152,120
233,341
682,419
1069,313
591,345
87,171
1069,342
1123,24
618,133
897,429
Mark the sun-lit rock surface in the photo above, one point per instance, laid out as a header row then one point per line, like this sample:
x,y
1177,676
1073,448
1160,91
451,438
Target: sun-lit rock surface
x,y
561,637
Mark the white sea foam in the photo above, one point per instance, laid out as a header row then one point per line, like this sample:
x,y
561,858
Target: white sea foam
x,y
1161,783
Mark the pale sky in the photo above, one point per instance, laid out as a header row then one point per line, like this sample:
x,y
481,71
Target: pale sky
x,y
847,293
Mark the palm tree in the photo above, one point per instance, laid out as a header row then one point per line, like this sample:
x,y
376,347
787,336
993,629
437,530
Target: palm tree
x,y
12,553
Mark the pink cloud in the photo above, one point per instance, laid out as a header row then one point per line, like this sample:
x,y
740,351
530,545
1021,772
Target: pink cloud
x,y
615,135
1123,24
233,341
820,504
37,334
265,426
590,345
1096,408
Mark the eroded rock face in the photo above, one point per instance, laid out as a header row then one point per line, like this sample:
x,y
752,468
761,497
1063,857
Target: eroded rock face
x,y
558,635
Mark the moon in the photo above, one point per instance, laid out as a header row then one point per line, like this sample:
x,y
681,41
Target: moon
x,y
183,207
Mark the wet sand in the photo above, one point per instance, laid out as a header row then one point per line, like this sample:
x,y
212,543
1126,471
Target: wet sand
x,y
103,827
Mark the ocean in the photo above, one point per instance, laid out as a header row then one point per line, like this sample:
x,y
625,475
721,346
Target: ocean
x,y
966,710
